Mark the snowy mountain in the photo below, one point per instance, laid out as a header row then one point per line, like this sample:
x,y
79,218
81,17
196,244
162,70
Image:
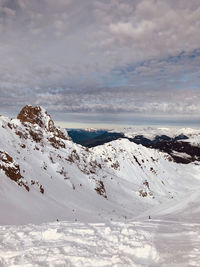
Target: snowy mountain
x,y
152,132
181,144
46,177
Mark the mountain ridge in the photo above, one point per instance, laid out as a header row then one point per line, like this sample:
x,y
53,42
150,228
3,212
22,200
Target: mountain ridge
x,y
54,178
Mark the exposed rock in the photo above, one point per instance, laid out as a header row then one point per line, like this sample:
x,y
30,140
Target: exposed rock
x,y
137,161
100,189
37,185
146,191
11,169
146,184
38,122
41,189
116,165
56,143
35,115
143,193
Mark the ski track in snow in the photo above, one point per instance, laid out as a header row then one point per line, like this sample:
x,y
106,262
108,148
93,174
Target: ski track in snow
x,y
148,243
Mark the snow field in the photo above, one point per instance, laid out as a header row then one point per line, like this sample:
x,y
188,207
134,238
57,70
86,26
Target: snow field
x,y
147,243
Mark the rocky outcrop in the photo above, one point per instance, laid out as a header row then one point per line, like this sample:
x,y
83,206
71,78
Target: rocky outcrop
x,y
11,169
35,115
40,126
100,189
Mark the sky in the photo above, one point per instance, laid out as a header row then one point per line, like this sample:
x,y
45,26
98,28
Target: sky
x,y
102,62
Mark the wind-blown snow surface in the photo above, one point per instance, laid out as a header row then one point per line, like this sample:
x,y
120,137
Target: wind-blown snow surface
x,y
106,194
149,243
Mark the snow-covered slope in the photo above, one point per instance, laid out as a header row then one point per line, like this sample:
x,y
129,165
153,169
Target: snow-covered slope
x,y
117,244
45,176
118,204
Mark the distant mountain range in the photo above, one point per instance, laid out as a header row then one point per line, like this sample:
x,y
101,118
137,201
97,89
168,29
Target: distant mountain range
x,y
175,144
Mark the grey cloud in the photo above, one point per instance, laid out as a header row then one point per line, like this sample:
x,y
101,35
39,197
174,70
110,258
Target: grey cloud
x,y
101,56
154,29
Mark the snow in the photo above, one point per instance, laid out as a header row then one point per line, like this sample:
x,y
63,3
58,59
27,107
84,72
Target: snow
x,y
69,187
145,243
119,204
151,132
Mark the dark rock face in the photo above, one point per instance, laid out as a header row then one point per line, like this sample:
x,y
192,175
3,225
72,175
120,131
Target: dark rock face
x,y
32,115
173,146
100,189
11,169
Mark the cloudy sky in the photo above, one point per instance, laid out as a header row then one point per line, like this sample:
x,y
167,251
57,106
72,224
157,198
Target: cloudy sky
x,y
102,61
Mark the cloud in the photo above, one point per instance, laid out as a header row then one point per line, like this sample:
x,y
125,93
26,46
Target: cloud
x,y
153,29
101,56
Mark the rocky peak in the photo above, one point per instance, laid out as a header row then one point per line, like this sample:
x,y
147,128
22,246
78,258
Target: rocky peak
x,y
36,115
